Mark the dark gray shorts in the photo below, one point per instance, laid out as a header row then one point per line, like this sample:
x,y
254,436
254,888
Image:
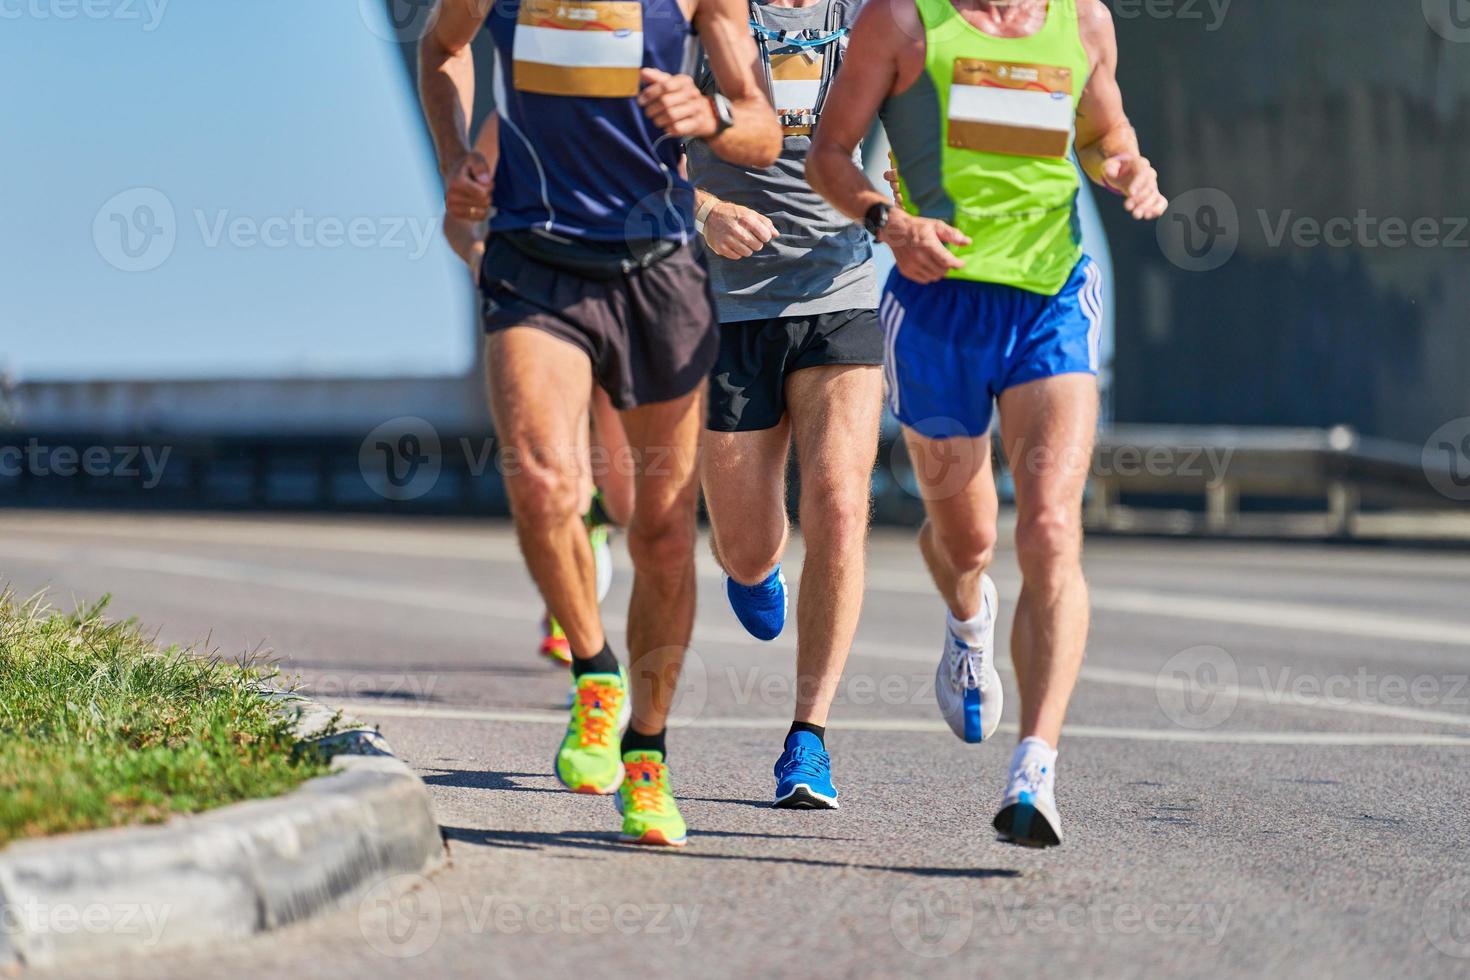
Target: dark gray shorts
x,y
652,335
747,389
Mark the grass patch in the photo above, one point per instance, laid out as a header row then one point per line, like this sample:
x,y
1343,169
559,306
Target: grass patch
x,y
99,727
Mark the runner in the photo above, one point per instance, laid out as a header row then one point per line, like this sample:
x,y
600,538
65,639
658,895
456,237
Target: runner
x,y
993,299
800,356
608,490
591,111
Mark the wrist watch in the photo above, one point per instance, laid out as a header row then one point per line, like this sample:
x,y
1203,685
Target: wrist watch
x,y
876,218
724,113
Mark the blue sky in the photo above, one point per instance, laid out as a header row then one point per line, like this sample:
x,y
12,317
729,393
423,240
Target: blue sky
x,y
284,139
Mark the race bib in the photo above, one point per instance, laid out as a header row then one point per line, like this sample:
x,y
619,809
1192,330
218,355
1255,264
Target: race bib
x,y
796,81
1019,110
588,48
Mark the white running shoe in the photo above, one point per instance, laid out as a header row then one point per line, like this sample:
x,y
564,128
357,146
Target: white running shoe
x,y
602,559
1028,814
966,684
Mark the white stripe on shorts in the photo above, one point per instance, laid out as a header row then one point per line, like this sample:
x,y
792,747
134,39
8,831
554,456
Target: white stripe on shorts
x,y
1090,298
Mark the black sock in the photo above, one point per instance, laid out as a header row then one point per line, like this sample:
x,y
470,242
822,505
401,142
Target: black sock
x,y
602,662
818,730
636,741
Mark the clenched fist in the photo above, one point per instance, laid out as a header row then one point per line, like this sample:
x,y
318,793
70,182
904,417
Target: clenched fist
x,y
734,232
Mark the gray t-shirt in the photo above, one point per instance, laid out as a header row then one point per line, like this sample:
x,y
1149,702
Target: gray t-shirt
x,y
821,262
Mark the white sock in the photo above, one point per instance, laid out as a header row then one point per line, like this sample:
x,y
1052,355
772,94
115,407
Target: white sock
x,y
972,630
1035,749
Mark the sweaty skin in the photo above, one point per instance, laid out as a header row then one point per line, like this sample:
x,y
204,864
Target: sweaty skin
x,y
886,56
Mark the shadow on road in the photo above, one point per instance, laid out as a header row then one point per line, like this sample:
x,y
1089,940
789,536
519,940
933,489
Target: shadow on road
x,y
480,779
528,840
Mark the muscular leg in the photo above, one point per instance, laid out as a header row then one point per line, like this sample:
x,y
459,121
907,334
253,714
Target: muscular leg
x,y
664,438
835,411
544,444
958,537
1048,427
744,477
612,462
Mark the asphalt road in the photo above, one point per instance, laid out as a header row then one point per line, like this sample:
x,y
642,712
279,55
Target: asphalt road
x,y
1266,770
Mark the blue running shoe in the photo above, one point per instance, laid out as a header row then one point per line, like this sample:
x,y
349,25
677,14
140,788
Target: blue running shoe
x,y
761,608
804,775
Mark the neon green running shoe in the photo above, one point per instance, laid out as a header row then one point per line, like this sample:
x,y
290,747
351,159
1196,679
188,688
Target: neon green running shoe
x,y
650,815
588,760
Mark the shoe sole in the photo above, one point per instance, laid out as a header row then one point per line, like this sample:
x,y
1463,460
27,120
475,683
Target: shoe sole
x,y
1024,825
653,838
803,797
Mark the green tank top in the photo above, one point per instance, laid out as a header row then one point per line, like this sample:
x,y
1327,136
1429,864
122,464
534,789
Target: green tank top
x,y
1000,168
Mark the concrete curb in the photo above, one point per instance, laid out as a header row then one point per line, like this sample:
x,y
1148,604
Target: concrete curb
x,y
228,873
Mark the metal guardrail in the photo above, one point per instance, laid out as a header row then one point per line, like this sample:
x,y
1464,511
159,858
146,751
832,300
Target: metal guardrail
x,y
1224,466
1211,480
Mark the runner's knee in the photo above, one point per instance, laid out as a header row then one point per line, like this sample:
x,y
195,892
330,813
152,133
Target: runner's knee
x,y
542,493
1049,542
834,512
663,543
967,550
748,553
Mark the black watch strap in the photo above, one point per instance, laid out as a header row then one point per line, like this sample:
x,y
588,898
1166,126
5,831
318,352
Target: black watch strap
x,y
876,218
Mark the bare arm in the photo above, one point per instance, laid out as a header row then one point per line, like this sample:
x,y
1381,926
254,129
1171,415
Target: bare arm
x,y
467,238
1107,144
880,60
677,106
447,91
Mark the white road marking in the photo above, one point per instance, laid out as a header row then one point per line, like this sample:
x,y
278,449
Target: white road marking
x,y
514,610
1332,620
369,711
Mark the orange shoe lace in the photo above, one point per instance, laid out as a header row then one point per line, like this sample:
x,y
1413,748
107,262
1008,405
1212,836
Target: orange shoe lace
x,y
598,705
646,782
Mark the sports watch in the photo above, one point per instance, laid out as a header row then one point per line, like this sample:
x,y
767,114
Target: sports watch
x,y
876,218
724,112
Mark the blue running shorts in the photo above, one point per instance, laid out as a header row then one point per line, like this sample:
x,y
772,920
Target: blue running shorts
x,y
951,347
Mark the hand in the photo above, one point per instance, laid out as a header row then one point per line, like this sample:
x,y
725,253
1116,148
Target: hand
x,y
467,189
734,232
676,105
918,246
892,177
1137,181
